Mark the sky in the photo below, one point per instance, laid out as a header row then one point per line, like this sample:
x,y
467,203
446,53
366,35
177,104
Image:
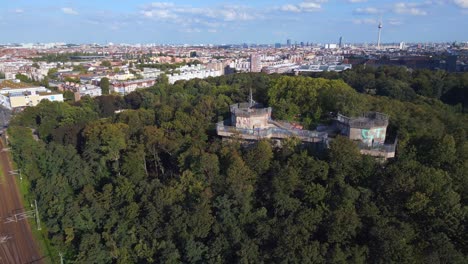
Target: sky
x,y
231,22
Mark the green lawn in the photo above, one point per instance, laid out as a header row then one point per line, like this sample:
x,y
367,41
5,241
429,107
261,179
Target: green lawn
x,y
2,177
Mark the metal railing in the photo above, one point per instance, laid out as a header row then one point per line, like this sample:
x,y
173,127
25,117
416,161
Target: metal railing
x,y
272,132
388,148
246,112
370,119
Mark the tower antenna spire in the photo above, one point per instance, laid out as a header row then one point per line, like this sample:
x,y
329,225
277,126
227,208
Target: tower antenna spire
x,y
380,32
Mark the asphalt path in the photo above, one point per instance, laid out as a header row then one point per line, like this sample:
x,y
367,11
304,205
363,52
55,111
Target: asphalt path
x,y
17,244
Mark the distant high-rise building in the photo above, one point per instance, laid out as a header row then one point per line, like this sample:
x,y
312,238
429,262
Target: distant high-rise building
x,y
277,45
302,44
255,63
288,43
402,45
340,44
380,32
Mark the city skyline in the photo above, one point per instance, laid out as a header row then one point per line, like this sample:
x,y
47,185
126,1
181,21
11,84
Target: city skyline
x,y
232,22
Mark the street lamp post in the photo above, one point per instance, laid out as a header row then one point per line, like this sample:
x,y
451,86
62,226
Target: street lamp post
x,y
38,221
61,257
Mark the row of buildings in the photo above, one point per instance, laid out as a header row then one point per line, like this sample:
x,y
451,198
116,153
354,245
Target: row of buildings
x,y
11,67
18,95
80,90
194,71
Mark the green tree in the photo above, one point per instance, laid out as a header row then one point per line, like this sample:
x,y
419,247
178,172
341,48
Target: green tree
x,y
153,183
104,84
52,73
163,79
80,68
259,158
23,78
106,63
69,96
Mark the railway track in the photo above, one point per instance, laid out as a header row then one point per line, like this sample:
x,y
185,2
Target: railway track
x,y
17,244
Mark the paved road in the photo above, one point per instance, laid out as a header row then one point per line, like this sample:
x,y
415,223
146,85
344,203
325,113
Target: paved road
x,y
17,245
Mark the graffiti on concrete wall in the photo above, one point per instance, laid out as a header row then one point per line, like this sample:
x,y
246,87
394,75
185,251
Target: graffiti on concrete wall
x,y
243,122
373,136
252,122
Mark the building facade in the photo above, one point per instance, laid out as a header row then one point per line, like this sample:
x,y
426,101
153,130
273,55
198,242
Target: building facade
x,y
27,96
193,72
126,87
250,121
255,63
369,131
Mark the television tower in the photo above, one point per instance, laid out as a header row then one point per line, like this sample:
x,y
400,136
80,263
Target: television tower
x,y
380,32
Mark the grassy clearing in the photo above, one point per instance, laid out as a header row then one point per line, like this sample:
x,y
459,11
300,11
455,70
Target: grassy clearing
x,y
51,255
2,176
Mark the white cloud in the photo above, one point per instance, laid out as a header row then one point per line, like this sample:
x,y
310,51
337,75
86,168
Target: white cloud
x,y
305,6
199,19
159,14
290,8
69,11
367,21
169,11
409,9
367,10
309,6
191,30
357,1
395,22
19,11
161,5
233,15
461,3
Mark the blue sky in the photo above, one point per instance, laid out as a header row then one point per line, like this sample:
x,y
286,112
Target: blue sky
x,y
236,21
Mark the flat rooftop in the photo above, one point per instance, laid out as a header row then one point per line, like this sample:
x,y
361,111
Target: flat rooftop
x,y
15,85
246,109
370,119
47,93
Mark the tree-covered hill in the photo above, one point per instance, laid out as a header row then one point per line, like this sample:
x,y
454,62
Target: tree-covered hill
x,y
405,84
154,184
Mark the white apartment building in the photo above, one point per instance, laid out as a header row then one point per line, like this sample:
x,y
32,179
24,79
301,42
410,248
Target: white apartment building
x,y
121,77
91,90
192,72
149,73
13,67
27,96
241,65
127,87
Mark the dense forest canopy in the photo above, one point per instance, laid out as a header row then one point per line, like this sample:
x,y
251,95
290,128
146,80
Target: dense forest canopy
x,y
154,184
404,84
